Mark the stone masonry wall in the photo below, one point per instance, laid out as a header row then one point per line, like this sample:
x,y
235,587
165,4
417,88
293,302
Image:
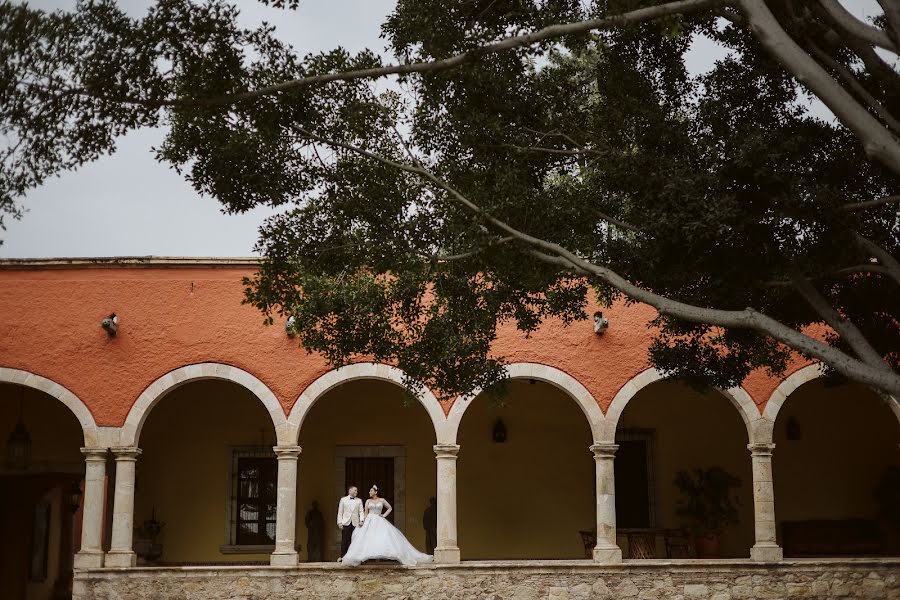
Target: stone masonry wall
x,y
720,580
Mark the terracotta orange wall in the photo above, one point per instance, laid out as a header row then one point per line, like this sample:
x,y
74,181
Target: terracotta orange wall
x,y
172,317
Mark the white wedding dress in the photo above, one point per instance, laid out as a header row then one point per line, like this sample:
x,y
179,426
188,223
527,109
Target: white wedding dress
x,y
377,539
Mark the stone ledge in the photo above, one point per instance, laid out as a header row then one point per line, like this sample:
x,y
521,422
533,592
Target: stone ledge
x,y
519,580
705,564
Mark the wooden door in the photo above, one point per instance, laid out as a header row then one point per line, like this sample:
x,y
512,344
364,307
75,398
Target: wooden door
x,y
633,484
363,472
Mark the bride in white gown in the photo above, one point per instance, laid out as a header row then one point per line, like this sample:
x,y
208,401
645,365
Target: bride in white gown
x,y
377,539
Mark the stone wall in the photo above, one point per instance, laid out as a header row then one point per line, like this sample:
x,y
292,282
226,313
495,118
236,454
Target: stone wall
x,y
720,580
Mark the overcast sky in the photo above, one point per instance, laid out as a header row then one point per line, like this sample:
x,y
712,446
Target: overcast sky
x,y
127,204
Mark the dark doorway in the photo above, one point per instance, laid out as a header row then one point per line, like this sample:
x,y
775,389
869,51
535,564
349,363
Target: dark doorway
x,y
364,472
633,483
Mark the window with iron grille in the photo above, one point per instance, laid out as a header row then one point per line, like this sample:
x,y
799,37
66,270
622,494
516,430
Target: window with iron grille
x,y
254,480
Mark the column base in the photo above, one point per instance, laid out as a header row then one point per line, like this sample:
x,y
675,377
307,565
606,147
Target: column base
x,y
449,555
287,558
120,558
607,554
767,553
88,559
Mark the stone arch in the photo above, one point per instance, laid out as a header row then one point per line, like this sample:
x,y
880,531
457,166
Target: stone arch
x,y
790,384
551,375
352,372
131,431
71,401
739,398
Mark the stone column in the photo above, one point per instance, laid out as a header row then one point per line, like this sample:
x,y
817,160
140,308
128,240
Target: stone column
x,y
766,548
285,553
447,549
121,552
91,553
606,550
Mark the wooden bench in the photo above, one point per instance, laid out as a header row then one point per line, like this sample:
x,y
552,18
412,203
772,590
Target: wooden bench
x,y
838,537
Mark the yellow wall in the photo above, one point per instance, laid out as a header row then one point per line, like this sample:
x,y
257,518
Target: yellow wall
x,y
183,470
56,435
849,436
364,413
695,430
530,496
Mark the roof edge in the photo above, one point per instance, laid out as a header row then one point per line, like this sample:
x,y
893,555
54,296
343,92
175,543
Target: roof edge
x,y
130,262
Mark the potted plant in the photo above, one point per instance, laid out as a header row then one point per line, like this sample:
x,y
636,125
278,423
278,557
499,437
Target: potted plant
x,y
146,544
708,505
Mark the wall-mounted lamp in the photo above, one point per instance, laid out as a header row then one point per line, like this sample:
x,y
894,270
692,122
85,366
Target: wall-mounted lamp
x,y
499,432
73,496
110,324
290,326
600,324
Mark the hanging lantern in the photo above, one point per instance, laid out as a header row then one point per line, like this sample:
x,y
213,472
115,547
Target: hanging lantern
x,y
499,432
18,444
18,448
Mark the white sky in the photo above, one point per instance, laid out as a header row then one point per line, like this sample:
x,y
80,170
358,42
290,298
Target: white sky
x,y
127,204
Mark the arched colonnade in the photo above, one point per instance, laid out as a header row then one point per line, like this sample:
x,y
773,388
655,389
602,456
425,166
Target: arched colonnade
x,y
124,443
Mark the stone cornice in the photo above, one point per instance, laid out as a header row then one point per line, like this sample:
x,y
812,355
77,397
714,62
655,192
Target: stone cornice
x,y
128,262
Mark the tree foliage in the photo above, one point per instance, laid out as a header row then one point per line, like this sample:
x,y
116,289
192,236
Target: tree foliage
x,y
522,157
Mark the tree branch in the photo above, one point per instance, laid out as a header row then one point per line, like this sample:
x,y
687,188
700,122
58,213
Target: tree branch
x,y
617,222
858,206
547,33
877,141
541,149
859,29
892,15
880,376
844,327
884,257
730,15
470,253
856,86
876,66
854,270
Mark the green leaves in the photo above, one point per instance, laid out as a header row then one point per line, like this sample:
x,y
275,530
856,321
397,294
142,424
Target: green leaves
x,y
710,190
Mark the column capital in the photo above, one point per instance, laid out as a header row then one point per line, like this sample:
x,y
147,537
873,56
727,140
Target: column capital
x,y
94,454
446,450
126,452
604,450
287,452
761,449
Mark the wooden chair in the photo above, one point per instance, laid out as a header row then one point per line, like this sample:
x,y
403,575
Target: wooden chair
x,y
641,544
678,543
